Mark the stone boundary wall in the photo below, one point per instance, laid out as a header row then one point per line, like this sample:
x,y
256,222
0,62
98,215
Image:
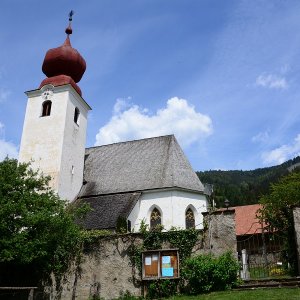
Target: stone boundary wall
x,y
106,271
219,232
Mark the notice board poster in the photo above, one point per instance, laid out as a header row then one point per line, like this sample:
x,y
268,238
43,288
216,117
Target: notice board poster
x,y
150,265
169,264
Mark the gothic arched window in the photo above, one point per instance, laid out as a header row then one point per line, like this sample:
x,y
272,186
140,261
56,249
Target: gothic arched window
x,y
155,218
76,115
189,219
46,109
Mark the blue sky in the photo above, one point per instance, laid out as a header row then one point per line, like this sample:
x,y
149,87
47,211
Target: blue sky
x,y
223,76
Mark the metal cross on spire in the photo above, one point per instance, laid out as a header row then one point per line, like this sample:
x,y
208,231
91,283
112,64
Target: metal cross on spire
x,y
69,28
71,13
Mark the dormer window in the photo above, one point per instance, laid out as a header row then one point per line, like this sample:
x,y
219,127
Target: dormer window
x,y
46,108
76,115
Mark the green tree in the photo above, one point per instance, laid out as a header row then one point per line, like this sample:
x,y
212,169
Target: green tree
x,y
37,229
278,211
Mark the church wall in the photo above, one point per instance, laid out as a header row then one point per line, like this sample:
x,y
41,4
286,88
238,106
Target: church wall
x,y
172,205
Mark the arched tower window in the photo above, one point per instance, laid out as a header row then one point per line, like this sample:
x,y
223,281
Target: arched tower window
x,y
189,219
46,108
76,115
155,218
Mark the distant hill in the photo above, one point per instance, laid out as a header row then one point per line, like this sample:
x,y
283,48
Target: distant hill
x,y
245,187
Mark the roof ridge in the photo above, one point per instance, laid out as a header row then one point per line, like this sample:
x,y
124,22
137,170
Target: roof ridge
x,y
132,141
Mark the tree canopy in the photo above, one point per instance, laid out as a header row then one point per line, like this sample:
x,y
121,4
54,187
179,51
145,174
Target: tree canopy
x,y
245,187
36,227
278,210
278,205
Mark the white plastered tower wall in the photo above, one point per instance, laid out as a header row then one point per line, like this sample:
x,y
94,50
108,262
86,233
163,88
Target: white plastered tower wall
x,y
172,204
55,144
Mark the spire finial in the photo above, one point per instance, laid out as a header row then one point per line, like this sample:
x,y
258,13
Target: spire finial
x,y
71,13
69,28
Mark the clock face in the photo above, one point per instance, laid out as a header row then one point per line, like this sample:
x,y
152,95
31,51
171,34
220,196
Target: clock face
x,y
47,94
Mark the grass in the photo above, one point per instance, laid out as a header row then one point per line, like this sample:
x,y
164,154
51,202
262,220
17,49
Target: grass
x,y
257,294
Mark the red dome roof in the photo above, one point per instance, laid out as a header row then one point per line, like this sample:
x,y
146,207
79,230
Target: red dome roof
x,y
64,65
64,60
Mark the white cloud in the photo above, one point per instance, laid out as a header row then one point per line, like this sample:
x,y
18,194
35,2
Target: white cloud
x,y
283,153
132,122
271,81
261,137
121,104
6,148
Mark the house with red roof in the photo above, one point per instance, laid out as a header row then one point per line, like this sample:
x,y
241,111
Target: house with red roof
x,y
262,246
246,220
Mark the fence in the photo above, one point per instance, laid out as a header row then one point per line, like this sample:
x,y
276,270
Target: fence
x,y
262,254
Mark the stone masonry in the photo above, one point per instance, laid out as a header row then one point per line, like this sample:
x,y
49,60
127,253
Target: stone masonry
x,y
105,270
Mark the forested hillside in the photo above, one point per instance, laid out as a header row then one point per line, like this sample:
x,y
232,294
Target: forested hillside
x,y
245,187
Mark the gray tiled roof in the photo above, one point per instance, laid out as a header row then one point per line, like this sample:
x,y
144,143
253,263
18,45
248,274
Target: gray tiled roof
x,y
139,165
106,209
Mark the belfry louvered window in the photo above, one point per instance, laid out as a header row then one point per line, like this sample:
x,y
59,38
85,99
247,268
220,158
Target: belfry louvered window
x,y
46,109
189,219
155,218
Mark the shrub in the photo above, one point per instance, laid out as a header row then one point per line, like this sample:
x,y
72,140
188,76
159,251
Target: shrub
x,y
162,288
206,273
226,271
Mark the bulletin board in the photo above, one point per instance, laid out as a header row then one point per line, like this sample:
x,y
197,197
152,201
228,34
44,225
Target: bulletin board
x,y
160,264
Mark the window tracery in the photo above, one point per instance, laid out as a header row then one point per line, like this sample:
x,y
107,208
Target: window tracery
x,y
189,219
155,218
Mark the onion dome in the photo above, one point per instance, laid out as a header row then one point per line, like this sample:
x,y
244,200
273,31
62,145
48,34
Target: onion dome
x,y
64,65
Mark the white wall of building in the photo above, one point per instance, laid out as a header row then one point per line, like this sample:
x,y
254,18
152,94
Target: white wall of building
x,y
172,204
55,144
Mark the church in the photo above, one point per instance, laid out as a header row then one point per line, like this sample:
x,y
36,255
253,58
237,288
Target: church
x,y
148,180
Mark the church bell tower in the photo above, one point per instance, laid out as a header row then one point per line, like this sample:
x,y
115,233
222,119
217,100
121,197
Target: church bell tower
x,y
54,131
